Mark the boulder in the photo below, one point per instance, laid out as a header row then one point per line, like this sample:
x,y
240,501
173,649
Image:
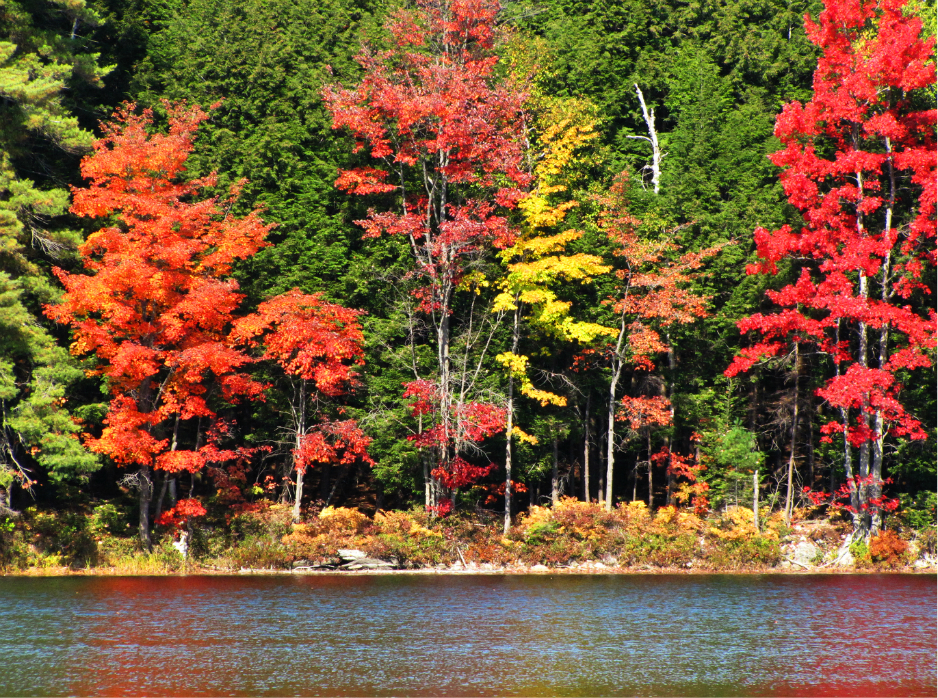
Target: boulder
x,y
540,568
349,555
367,563
843,557
804,554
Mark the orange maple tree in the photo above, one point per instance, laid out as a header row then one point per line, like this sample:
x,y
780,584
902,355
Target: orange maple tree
x,y
317,344
158,301
651,294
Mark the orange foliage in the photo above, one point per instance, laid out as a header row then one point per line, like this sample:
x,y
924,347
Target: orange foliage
x,y
156,304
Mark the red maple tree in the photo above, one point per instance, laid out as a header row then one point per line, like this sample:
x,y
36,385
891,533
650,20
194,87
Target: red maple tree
x,y
158,301
447,138
317,344
859,163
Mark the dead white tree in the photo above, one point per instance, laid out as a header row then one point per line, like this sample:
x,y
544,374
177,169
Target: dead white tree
x,y
656,155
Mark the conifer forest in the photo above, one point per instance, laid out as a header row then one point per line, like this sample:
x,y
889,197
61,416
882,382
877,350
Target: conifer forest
x,y
461,282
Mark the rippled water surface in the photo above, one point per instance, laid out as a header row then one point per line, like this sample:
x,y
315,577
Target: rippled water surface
x,y
469,635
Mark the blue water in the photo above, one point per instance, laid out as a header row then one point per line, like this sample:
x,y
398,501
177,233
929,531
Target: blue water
x,y
697,635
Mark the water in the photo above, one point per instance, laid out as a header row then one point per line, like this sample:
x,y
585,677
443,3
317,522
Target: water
x,y
562,635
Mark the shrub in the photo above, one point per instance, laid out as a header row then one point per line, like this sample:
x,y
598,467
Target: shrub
x,y
65,537
888,549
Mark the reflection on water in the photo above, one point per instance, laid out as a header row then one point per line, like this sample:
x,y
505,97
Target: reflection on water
x,y
469,635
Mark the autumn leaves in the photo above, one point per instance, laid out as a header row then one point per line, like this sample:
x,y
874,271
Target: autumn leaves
x,y
163,317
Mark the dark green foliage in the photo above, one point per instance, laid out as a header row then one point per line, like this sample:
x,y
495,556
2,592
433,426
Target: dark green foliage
x,y
265,63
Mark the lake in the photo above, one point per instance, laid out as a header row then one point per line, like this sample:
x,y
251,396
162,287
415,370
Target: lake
x,y
567,635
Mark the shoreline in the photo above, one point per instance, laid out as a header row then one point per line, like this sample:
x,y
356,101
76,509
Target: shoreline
x,y
450,572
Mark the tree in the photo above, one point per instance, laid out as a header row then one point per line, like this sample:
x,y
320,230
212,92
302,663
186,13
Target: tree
x,y
158,303
448,137
539,264
44,58
859,162
317,344
650,294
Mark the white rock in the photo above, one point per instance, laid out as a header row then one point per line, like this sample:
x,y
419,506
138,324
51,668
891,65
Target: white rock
x,y
844,558
540,568
346,554
804,553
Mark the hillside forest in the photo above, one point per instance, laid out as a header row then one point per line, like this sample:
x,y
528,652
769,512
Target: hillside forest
x,y
546,267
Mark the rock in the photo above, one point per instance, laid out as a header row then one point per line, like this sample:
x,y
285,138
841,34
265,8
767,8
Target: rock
x,y
302,563
367,563
844,558
349,555
805,554
925,562
610,561
487,566
540,568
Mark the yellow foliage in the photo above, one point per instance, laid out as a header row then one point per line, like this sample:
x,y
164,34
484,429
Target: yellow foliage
x,y
689,522
737,524
473,281
543,396
516,364
583,332
523,436
636,510
666,515
536,515
343,519
540,245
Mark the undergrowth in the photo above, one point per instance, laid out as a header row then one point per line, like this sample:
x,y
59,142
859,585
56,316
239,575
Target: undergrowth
x,y
101,538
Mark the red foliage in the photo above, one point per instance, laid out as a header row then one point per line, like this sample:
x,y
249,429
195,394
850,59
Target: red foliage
x,y
332,442
431,106
308,337
460,473
180,514
157,304
320,343
651,290
447,137
469,422
497,489
645,412
859,162
842,497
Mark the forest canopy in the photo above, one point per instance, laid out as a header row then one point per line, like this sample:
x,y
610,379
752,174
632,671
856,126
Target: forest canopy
x,y
462,255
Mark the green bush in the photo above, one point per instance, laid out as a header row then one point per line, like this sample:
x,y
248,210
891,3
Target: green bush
x,y
67,536
744,553
13,548
918,511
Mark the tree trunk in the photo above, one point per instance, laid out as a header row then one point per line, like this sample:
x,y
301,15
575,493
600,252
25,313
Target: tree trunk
x,y
863,360
586,450
635,477
651,490
611,433
555,477
159,500
656,154
515,336
300,433
790,494
755,498
145,495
